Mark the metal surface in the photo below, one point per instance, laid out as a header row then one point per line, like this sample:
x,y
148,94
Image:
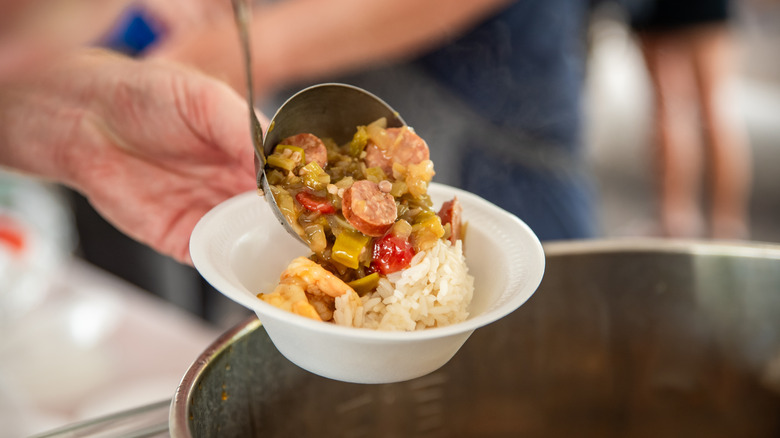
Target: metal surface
x,y
144,422
622,339
242,14
328,111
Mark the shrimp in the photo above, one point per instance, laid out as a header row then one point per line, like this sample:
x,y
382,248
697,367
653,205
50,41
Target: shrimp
x,y
307,289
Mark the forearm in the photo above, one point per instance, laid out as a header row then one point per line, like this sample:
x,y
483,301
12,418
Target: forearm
x,y
301,39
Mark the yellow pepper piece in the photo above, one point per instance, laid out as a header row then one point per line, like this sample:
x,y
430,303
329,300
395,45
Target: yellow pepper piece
x,y
347,248
314,177
426,230
398,189
281,162
358,142
286,157
280,149
375,174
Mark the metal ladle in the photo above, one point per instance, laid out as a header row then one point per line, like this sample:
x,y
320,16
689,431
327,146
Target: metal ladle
x,y
327,110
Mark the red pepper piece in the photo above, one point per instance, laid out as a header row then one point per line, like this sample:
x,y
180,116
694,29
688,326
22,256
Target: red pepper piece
x,y
315,203
391,254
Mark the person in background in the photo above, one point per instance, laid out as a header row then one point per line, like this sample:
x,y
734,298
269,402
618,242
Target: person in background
x,y
689,52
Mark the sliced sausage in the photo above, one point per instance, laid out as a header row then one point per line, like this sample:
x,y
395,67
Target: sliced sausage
x,y
404,146
368,209
313,148
450,213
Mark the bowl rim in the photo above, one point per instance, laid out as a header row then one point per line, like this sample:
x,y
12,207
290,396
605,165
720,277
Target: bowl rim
x,y
534,275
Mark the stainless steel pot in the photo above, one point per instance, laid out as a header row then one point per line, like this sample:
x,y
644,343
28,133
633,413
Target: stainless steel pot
x,y
627,338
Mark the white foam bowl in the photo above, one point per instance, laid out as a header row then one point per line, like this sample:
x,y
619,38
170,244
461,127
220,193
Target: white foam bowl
x,y
240,248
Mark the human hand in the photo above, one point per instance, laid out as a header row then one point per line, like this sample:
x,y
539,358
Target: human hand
x,y
152,145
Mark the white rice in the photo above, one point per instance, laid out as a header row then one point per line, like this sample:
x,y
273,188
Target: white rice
x,y
434,291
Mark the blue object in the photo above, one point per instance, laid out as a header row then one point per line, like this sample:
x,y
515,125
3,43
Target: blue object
x,y
134,32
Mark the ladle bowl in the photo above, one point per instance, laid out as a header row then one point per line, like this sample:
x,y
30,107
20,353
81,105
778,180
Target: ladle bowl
x,y
328,110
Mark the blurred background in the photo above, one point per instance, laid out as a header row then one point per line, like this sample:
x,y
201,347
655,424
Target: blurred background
x,y
155,316
619,119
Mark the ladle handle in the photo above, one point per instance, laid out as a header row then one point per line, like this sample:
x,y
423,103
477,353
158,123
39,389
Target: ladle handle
x,y
242,13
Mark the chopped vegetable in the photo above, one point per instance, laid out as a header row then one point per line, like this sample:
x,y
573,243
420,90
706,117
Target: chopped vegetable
x,y
376,133
287,207
399,188
314,177
281,162
402,229
275,177
283,148
319,196
391,254
345,182
418,176
359,141
315,203
286,157
365,284
348,247
315,237
375,174
426,230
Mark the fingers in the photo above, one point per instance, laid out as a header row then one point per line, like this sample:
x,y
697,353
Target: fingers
x,y
188,150
230,122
